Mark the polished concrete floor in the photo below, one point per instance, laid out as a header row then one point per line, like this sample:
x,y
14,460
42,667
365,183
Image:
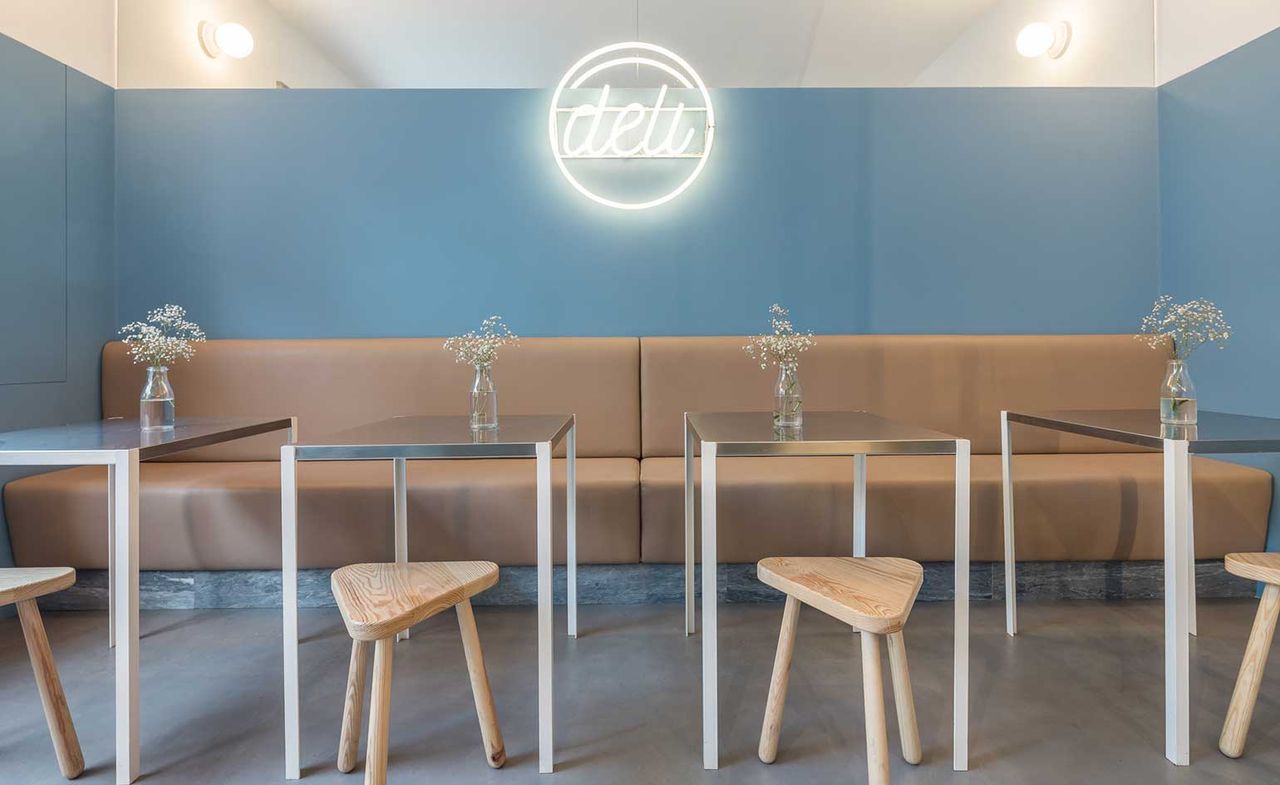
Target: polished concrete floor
x,y
1076,698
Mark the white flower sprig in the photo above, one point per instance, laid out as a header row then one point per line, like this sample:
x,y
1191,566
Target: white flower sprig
x,y
164,338
481,349
784,346
1189,325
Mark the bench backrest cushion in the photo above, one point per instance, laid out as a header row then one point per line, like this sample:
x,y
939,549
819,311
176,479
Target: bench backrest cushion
x,y
333,384
952,383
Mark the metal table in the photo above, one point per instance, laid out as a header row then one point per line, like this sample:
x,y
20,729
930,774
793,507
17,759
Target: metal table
x,y
120,445
402,439
857,434
1215,433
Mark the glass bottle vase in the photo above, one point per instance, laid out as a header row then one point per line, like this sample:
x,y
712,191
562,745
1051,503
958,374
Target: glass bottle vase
x,y
484,400
155,407
788,401
1177,395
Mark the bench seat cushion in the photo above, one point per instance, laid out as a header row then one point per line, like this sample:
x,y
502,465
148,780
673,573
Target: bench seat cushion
x,y
226,515
1068,507
334,384
956,384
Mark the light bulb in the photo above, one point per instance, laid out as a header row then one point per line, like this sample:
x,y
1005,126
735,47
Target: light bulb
x,y
234,39
1035,39
231,38
1040,38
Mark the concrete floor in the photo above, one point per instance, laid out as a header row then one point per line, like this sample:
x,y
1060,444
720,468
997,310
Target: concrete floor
x,y
1076,698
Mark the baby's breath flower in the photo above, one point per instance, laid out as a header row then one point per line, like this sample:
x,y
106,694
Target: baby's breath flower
x,y
784,346
481,349
164,338
1188,325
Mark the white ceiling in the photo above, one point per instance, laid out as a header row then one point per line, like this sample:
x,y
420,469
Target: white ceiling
x,y
732,43
526,43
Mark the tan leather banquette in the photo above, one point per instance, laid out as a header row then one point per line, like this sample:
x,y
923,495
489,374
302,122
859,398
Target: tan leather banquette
x,y
1077,499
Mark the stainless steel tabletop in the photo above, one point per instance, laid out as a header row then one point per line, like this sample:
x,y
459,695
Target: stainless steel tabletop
x,y
427,437
823,433
1216,432
120,434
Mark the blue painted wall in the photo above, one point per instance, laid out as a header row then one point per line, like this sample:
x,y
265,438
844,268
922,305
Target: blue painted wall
x,y
1012,210
407,212
61,254
1220,222
33,216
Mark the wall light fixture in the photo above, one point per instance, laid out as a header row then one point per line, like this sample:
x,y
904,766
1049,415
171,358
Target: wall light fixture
x,y
1041,38
230,38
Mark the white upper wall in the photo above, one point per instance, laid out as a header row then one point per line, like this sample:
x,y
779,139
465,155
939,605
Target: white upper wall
x,y
160,47
1190,33
79,33
1111,46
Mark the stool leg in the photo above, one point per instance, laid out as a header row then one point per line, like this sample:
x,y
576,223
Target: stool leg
x,y
1245,696
349,740
375,765
778,683
494,749
903,700
65,742
873,706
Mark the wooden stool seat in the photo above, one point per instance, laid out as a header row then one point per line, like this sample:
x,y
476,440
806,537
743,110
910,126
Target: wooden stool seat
x,y
872,594
379,600
21,586
1264,567
27,583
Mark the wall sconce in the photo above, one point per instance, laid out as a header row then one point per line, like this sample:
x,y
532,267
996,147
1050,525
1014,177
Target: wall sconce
x,y
230,38
1041,38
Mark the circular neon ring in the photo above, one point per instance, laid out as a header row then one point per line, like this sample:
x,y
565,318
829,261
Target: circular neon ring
x,y
552,126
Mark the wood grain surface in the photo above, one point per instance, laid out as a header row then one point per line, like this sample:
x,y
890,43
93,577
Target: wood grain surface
x,y
1245,695
1263,567
872,594
379,600
65,742
27,583
349,738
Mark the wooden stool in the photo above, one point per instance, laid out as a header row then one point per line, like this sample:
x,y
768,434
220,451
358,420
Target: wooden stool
x,y
379,600
22,585
873,595
1263,567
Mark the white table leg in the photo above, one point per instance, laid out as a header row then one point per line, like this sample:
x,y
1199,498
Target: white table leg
x,y
111,556
860,505
960,723
571,524
289,584
125,485
1010,563
710,627
690,620
546,753
1176,577
1191,555
859,508
400,489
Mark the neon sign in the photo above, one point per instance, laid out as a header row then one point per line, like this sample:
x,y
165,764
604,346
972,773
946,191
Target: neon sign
x,y
607,110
